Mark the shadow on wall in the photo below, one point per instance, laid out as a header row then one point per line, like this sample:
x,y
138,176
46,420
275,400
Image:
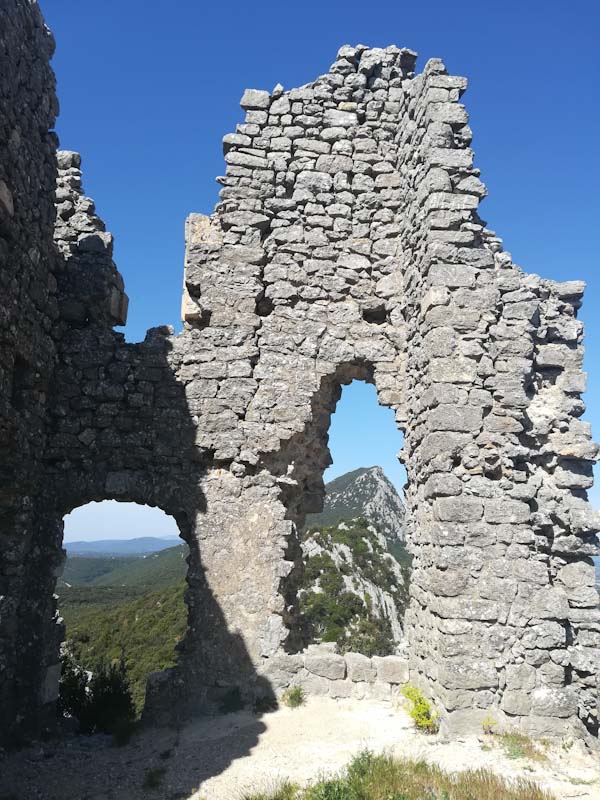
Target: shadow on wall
x,y
123,430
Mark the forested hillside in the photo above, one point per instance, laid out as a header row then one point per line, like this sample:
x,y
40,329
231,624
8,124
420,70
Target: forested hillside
x,y
144,631
130,607
157,569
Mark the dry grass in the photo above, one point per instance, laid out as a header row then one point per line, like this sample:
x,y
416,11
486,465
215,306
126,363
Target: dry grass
x,y
371,777
517,745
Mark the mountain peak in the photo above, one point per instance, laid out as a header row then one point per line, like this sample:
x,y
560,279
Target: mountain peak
x,y
365,492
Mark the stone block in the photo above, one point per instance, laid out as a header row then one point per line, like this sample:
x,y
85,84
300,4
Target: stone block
x,y
339,119
468,674
391,669
545,635
326,665
334,163
314,181
550,701
360,668
340,689
443,485
255,99
453,370
458,509
516,702
452,275
456,418
505,510
313,685
520,677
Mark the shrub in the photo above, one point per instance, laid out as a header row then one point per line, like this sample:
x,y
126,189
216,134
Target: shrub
x,y
73,696
104,704
293,697
370,636
111,700
421,712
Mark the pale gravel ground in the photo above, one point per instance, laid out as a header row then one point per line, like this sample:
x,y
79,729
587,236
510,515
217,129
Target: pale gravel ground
x,y
220,759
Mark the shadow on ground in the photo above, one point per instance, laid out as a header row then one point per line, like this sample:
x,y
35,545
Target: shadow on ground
x,y
162,763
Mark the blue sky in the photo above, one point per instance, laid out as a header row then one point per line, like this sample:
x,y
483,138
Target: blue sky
x,y
148,88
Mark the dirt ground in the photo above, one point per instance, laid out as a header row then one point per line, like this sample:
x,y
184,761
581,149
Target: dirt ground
x,y
226,757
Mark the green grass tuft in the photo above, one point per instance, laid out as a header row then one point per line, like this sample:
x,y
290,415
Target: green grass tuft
x,y
293,697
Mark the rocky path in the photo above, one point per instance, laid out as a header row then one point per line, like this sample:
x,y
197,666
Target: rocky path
x,y
221,759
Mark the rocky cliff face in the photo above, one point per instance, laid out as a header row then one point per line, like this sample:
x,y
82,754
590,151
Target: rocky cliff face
x,y
365,492
355,584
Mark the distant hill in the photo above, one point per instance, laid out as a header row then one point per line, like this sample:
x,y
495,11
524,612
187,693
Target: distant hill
x,y
156,570
364,492
121,547
85,570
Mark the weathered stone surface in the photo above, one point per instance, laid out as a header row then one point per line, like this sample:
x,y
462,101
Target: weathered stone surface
x,y
459,509
328,665
346,245
391,669
360,668
341,689
255,98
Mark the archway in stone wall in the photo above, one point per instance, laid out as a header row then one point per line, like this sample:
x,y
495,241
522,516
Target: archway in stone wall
x,y
309,461
354,590
121,593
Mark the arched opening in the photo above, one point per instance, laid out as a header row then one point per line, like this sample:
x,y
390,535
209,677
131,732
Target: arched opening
x,y
354,590
121,596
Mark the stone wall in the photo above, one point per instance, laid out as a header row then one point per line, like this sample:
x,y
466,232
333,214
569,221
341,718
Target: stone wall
x,y
321,671
28,311
346,245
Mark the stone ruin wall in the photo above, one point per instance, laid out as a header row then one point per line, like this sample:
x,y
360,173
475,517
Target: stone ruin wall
x,y
28,311
347,244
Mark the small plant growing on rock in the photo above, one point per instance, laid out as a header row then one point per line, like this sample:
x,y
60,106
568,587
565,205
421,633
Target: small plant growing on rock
x,y
421,711
489,725
293,697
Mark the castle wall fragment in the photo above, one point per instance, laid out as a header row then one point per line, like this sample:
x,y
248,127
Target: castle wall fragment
x,y
346,245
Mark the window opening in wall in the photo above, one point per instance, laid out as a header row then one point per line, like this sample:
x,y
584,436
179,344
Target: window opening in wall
x,y
121,595
355,586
